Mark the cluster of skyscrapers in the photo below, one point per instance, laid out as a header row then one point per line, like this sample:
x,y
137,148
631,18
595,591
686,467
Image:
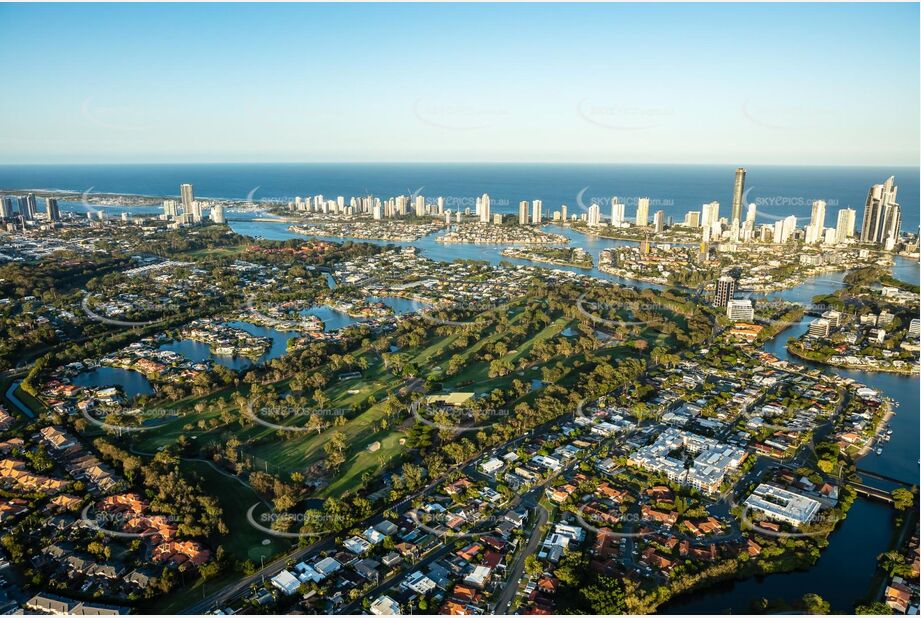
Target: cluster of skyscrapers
x,y
881,224
24,207
416,205
188,210
399,206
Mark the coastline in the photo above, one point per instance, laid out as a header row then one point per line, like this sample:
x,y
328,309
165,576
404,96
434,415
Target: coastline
x,y
686,242
872,441
625,274
542,260
915,369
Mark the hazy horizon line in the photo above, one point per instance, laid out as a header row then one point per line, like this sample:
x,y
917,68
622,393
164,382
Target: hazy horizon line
x,y
445,163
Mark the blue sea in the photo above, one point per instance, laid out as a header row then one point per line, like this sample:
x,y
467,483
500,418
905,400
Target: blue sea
x,y
844,571
675,189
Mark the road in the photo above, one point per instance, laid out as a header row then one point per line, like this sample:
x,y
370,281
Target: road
x,y
237,589
511,584
234,591
355,606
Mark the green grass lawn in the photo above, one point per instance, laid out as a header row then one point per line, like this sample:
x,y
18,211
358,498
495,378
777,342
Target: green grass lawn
x,y
178,600
231,251
362,461
243,541
282,453
28,400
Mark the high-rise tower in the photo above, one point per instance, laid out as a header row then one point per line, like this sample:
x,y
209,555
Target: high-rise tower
x,y
52,211
725,289
882,215
642,212
186,197
738,190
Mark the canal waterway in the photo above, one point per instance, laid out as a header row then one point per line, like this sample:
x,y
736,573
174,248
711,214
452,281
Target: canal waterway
x,y
843,573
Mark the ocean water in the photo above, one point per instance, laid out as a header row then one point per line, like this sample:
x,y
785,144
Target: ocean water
x,y
845,568
675,189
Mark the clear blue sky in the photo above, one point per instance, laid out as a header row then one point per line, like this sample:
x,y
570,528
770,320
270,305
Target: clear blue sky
x,y
719,83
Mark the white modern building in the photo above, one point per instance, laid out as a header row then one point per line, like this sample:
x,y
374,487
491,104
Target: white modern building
x,y
713,460
485,214
594,215
385,606
783,505
642,212
617,212
537,212
523,208
740,310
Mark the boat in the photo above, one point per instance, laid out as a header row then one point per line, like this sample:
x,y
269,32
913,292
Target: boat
x,y
879,451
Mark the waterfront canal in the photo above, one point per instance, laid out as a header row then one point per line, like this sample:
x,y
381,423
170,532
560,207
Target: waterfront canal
x,y
843,573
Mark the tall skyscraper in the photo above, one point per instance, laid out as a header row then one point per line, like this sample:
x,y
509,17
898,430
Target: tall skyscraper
x,y
892,226
738,190
186,197
617,212
725,289
709,214
752,213
778,233
564,212
217,214
816,229
6,207
594,215
420,206
537,214
658,221
642,212
818,214
170,209
52,212
523,208
788,229
27,207
882,215
692,219
485,215
734,231
845,225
